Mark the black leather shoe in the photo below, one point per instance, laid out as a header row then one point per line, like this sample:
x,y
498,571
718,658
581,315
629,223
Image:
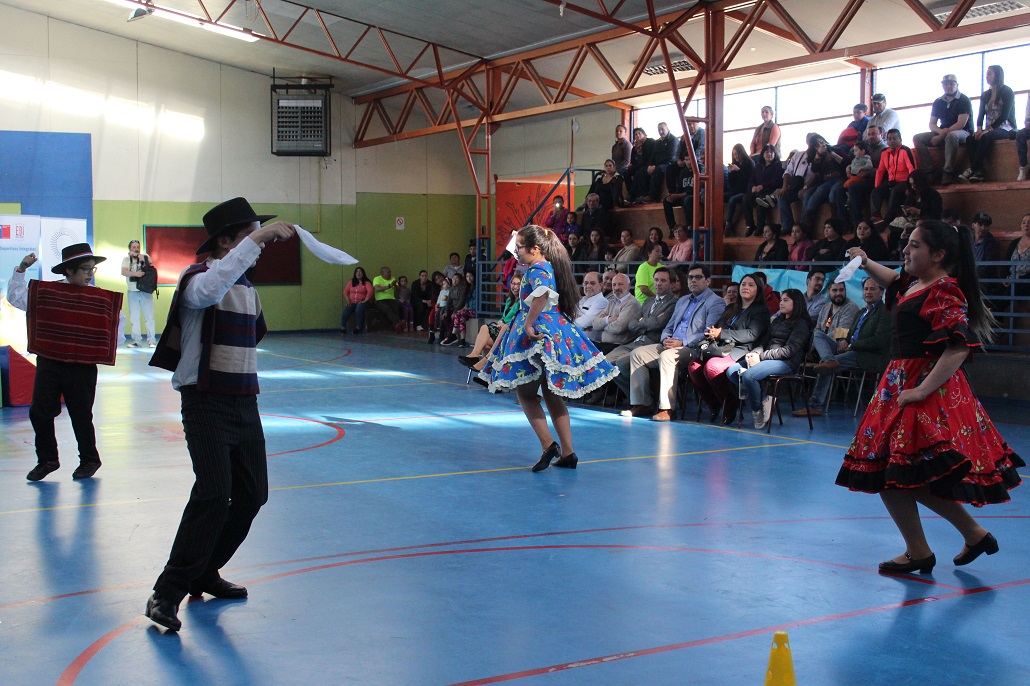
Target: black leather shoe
x,y
988,544
85,470
925,565
568,462
729,418
163,612
219,588
480,381
553,451
467,361
41,470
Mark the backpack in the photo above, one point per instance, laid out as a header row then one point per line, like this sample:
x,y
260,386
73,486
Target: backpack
x,y
148,282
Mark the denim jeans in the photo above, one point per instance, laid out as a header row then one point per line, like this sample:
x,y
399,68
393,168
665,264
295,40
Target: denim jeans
x,y
848,361
358,309
750,378
1022,136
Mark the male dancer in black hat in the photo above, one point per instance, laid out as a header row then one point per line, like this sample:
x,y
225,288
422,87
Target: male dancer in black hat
x,y
54,378
210,343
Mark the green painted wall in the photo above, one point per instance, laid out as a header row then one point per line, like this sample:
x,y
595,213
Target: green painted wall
x,y
435,225
10,208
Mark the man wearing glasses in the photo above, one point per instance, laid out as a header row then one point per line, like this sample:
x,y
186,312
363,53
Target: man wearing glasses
x,y
76,382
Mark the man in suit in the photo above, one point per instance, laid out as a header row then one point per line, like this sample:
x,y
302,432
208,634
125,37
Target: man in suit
x,y
867,347
693,315
611,328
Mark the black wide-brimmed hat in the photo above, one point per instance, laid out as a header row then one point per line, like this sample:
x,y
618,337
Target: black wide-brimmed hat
x,y
75,253
228,215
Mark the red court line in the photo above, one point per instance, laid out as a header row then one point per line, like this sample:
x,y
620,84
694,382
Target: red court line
x,y
71,673
338,436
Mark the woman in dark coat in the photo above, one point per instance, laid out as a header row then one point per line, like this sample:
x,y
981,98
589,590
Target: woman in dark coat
x,y
773,249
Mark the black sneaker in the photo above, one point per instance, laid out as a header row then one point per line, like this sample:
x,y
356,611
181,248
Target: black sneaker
x,y
85,470
42,469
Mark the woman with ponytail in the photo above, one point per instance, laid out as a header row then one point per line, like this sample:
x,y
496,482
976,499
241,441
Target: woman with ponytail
x,y
925,439
543,344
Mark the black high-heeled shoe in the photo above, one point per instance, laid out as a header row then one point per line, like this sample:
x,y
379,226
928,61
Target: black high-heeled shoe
x,y
468,361
925,565
568,462
988,544
553,451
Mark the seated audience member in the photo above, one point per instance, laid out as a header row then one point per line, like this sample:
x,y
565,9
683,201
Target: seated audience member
x,y
630,252
470,258
799,248
766,133
681,196
826,183
867,347
861,166
464,313
455,266
852,133
773,248
683,251
654,237
829,252
593,301
648,327
574,244
860,188
695,312
384,286
595,217
793,183
997,118
771,297
457,300
404,299
359,294
896,163
607,186
781,352
951,121
882,118
557,219
870,242
644,279
572,224
814,298
611,328
606,283
765,179
679,176
621,150
738,173
637,177
423,297
834,321
729,341
491,332
662,155
920,199
1022,139
595,248
985,249
437,321
731,296
1019,252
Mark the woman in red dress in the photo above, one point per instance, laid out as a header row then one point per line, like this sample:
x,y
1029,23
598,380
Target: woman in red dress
x,y
925,439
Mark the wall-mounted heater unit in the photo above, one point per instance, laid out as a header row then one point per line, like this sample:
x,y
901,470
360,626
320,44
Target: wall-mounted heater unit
x,y
300,119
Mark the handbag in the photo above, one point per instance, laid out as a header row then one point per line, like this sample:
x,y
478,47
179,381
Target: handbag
x,y
709,350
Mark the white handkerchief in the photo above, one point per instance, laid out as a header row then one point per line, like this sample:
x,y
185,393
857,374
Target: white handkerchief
x,y
849,270
326,253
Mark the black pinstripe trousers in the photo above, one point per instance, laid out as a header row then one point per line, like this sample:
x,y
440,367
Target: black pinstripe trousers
x,y
78,384
227,447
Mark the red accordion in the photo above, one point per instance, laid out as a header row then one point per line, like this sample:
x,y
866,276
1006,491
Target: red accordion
x,y
77,324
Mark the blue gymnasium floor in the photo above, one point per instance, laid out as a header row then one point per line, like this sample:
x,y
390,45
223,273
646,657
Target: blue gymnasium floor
x,y
406,542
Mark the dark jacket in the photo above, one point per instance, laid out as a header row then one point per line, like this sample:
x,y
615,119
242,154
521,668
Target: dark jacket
x,y
828,253
744,333
598,219
642,158
929,203
737,181
787,340
873,246
768,176
778,253
1007,102
873,344
664,150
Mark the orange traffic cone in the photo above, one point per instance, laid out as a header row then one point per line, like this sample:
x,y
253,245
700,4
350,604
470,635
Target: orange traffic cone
x,y
780,671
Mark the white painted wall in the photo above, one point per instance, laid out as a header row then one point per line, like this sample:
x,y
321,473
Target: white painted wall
x,y
542,145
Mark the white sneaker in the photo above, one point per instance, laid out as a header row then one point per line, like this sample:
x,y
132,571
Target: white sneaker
x,y
1022,174
757,418
966,174
767,408
151,345
419,328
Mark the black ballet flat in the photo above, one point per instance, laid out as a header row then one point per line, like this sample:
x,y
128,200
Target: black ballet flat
x,y
988,544
553,451
481,382
925,565
568,462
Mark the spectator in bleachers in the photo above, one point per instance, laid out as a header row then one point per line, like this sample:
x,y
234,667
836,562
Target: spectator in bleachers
x,y
729,341
1022,139
772,249
470,258
557,219
621,150
795,179
766,177
683,251
630,252
829,251
606,282
385,288
654,237
607,186
359,294
572,224
985,249
611,328
870,242
595,216
644,280
950,215
997,117
896,163
1019,252
595,248
834,321
861,188
458,299
423,297
637,177
404,299
467,311
731,296
867,347
814,298
825,185
681,195
861,166
951,122
575,246
490,333
767,133
680,168
437,323
455,266
920,199
771,297
663,153
781,352
882,118
853,132
695,312
799,248
593,301
738,173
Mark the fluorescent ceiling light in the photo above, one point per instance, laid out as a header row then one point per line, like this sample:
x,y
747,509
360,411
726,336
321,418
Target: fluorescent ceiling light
x,y
231,31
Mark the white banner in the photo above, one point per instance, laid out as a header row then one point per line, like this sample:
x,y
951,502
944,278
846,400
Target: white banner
x,y
55,235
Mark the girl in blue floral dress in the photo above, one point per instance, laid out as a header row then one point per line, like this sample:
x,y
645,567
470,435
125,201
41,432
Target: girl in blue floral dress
x,y
544,343
925,439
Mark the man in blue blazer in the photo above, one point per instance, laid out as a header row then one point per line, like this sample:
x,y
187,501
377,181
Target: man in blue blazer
x,y
693,315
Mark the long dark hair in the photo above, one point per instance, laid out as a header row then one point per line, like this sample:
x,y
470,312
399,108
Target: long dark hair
x,y
999,77
364,277
813,146
555,253
739,155
959,260
800,306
